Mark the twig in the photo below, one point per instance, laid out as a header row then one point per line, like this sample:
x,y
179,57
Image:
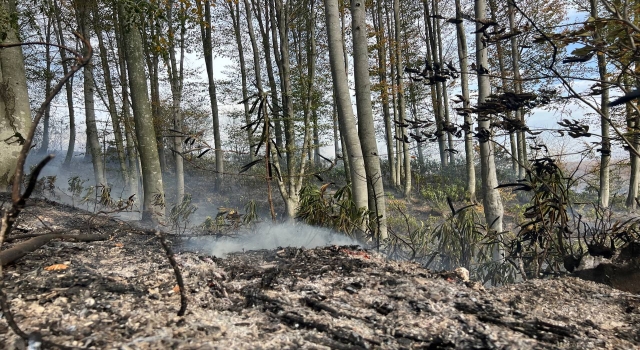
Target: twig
x,y
172,260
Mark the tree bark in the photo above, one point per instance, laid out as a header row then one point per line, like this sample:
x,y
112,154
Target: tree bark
x,y
93,142
402,108
384,91
68,87
113,111
13,92
517,87
493,209
205,32
605,149
346,119
153,208
234,11
366,129
176,79
468,122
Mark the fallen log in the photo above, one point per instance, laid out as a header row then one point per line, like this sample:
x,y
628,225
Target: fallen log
x,y
18,251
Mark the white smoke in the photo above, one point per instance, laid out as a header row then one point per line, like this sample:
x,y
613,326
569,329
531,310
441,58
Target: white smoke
x,y
269,236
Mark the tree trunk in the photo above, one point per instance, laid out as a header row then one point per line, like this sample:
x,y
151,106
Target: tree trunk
x,y
605,149
402,108
517,87
113,111
176,79
149,38
44,147
366,129
234,11
68,87
468,122
378,23
153,209
346,120
13,83
438,109
270,74
93,141
205,32
132,153
492,202
505,85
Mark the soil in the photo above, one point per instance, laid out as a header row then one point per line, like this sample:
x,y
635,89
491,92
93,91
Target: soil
x,y
121,293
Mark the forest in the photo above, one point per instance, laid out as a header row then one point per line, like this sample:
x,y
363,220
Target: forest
x,y
500,137
469,105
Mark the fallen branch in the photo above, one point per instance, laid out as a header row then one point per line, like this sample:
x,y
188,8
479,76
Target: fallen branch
x,y
172,260
16,252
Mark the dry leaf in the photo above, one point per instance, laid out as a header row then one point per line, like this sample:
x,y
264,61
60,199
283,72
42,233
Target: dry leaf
x,y
56,267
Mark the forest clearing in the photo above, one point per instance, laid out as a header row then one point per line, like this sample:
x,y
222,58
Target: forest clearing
x,y
319,174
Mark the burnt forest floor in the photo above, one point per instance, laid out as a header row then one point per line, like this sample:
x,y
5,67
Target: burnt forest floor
x,y
121,293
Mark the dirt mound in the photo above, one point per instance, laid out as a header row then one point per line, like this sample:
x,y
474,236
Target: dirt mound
x,y
121,293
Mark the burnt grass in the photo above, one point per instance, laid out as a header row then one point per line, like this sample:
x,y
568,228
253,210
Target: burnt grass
x,y
121,293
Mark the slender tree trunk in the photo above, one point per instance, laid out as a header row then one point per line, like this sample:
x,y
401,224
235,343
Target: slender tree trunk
x,y
432,54
401,102
505,85
113,111
468,122
132,153
605,149
153,209
517,87
444,105
149,38
44,147
205,32
366,129
68,87
346,119
270,74
493,210
176,79
633,125
93,141
234,11
384,91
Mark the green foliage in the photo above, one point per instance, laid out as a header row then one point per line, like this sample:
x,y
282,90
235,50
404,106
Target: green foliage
x,y
229,220
542,237
338,211
180,213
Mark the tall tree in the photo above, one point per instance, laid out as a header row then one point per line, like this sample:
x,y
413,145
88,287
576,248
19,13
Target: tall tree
x,y
366,129
205,31
176,80
111,101
346,119
68,85
605,150
468,123
493,209
48,79
381,45
83,12
402,108
153,206
234,12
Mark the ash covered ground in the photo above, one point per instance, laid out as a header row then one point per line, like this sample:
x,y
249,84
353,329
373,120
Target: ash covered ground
x,y
120,293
